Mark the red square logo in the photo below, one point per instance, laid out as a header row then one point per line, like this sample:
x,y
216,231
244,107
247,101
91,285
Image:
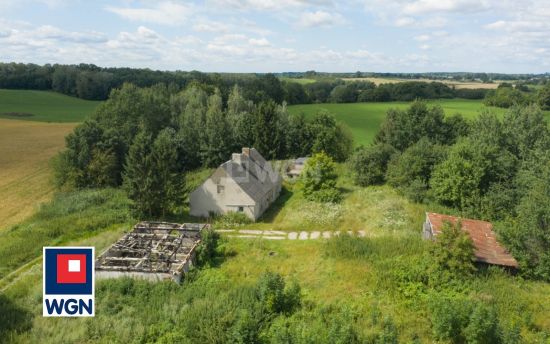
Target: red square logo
x,y
71,268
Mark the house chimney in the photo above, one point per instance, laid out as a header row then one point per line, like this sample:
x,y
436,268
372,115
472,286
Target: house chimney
x,y
246,151
236,157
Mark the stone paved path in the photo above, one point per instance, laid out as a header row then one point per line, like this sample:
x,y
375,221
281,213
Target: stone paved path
x,y
282,235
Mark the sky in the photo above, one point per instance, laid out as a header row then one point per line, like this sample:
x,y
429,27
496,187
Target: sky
x,y
507,36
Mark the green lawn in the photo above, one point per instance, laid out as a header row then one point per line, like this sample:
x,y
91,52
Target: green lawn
x,y
364,119
44,106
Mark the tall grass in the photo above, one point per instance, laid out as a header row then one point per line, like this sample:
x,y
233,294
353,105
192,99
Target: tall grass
x,y
69,216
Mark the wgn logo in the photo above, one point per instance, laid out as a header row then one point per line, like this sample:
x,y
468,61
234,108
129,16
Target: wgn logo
x,y
68,287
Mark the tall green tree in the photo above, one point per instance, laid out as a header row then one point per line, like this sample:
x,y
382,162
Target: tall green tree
x,y
217,143
151,176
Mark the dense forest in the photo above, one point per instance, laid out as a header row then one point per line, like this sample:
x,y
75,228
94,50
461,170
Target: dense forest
x,y
92,82
491,168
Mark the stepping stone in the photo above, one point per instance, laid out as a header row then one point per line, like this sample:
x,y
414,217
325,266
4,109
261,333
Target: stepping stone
x,y
362,233
274,233
245,236
303,235
225,230
292,235
251,231
268,237
327,234
350,233
315,235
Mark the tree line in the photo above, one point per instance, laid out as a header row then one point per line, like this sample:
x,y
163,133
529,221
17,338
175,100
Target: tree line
x,y
508,95
490,168
88,81
146,138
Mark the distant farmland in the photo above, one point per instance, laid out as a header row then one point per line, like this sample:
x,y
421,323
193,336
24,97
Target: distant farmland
x,y
44,106
364,119
456,84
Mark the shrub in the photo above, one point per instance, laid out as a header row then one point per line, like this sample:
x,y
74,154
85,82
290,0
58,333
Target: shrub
x,y
206,251
483,326
453,252
369,164
410,171
273,295
319,179
232,219
449,316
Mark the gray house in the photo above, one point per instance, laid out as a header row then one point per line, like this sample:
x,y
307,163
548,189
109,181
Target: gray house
x,y
247,183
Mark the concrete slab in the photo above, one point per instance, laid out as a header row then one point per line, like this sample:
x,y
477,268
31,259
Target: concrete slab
x,y
327,234
303,235
251,231
225,230
292,235
315,235
362,233
275,233
270,237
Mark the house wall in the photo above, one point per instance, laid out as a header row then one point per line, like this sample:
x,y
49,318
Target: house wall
x,y
206,199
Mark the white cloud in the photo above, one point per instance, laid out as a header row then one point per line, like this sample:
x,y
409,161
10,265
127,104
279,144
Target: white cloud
x,y
320,19
422,38
266,5
166,12
425,46
205,25
262,42
452,6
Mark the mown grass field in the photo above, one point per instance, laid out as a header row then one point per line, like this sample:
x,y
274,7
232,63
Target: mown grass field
x,y
44,106
25,179
364,119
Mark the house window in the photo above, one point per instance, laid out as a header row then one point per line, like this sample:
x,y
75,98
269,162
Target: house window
x,y
241,209
221,188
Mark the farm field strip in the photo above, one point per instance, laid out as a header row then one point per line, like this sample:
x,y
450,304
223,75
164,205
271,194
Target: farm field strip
x,y
44,106
25,179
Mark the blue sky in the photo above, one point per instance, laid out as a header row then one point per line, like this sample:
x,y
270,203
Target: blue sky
x,y
282,35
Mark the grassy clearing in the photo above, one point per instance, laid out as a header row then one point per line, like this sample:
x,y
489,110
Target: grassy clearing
x,y
25,150
44,106
364,119
371,279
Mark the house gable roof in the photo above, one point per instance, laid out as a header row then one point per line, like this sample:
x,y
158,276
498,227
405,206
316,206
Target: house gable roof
x,y
487,249
254,175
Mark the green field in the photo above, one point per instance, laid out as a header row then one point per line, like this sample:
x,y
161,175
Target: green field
x,y
364,119
44,106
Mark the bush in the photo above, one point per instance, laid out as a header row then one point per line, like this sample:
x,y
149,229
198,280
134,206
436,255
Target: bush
x,y
206,251
275,297
411,171
369,164
449,317
319,179
452,253
232,219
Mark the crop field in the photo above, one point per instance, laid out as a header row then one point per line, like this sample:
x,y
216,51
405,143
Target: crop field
x,y
44,106
25,150
456,84
364,119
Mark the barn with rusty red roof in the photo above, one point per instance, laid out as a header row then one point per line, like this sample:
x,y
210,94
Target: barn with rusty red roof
x,y
487,249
